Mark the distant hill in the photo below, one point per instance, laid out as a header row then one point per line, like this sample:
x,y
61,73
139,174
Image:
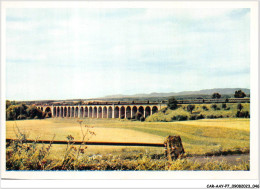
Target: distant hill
x,y
222,91
205,93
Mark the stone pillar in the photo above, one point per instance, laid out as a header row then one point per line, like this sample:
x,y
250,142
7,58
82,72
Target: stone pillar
x,y
173,147
119,112
125,113
131,111
113,111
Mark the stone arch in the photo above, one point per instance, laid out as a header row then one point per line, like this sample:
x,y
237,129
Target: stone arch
x,y
86,111
116,112
54,111
122,112
128,112
154,109
72,112
61,112
48,112
95,112
147,111
77,112
58,112
90,111
69,112
81,112
134,111
141,110
65,112
104,112
99,112
110,112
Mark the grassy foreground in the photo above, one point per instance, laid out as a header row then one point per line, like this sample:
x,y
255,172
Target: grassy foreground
x,y
200,137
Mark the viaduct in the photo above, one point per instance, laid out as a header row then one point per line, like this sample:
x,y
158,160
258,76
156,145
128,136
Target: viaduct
x,y
102,109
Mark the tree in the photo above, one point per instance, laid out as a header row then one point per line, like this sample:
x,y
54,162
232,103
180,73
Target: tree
x,y
172,103
239,106
190,108
214,106
216,95
8,103
239,94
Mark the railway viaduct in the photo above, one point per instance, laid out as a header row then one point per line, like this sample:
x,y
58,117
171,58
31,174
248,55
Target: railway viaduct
x,y
102,110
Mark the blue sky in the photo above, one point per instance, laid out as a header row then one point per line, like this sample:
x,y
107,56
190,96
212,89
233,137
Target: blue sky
x,y
88,53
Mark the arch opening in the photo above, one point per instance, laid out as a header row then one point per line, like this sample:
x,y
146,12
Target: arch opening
x,y
95,112
147,111
72,112
77,112
122,112
128,112
154,109
134,111
61,111
54,111
81,112
58,112
105,112
110,112
116,112
65,112
48,112
69,112
99,112
90,111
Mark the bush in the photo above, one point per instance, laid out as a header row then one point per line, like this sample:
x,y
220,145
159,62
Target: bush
x,y
190,108
224,105
205,108
193,117
201,116
242,114
214,106
239,106
181,118
21,116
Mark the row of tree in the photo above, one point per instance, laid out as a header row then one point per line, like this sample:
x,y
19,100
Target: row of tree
x,y
238,94
22,111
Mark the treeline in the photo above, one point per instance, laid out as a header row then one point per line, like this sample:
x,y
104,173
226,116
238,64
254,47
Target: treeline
x,y
23,111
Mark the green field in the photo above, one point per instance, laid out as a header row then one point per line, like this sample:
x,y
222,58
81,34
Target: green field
x,y
198,136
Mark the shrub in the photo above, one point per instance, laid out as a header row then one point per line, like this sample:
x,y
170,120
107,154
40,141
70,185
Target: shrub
x,y
239,106
193,117
205,108
214,106
242,114
224,105
201,116
21,116
190,108
181,118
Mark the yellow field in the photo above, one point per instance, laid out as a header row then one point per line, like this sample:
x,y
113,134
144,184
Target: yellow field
x,y
199,137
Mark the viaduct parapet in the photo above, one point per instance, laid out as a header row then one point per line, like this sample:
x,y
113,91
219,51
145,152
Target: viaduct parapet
x,y
102,110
